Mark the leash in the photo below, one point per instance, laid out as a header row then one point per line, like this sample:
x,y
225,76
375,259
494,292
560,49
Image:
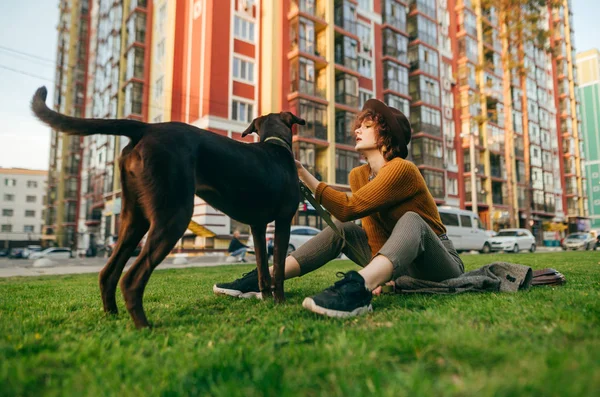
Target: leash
x,y
321,211
327,218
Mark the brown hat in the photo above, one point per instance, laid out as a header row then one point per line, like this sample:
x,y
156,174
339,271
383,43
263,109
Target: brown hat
x,y
397,122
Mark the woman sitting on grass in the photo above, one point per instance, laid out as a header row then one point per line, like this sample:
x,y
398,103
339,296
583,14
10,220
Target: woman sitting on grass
x,y
401,229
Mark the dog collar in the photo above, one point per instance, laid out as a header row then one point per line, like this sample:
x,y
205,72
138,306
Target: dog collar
x,y
274,138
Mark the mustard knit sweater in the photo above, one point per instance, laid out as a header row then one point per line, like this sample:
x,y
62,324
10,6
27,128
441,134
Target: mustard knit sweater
x,y
398,188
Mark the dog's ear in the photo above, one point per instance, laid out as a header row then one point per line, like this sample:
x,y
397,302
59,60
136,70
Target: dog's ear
x,y
253,127
290,119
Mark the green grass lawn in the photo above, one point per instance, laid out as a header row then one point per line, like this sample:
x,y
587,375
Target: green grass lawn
x,y
56,341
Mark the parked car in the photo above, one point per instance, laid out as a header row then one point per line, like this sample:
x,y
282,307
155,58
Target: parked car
x,y
298,236
16,253
582,240
30,249
3,252
465,229
513,240
113,242
53,253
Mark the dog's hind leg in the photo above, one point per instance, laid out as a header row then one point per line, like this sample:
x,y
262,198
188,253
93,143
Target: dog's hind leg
x,y
262,265
167,225
280,247
133,227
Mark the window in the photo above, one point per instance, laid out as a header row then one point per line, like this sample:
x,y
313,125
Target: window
x,y
9,197
28,228
302,36
395,45
345,161
366,38
30,199
364,96
243,70
435,182
241,111
397,102
364,67
302,76
160,51
427,151
453,187
32,184
425,89
7,228
449,219
315,116
366,5
395,78
395,14
158,87
133,98
346,52
7,212
423,59
29,213
421,28
243,29
344,127
425,119
465,221
346,89
162,16
10,182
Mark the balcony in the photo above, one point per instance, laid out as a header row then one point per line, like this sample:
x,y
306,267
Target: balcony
x,y
344,128
426,7
346,90
427,152
394,15
421,28
345,16
311,7
424,60
395,45
346,52
94,216
428,160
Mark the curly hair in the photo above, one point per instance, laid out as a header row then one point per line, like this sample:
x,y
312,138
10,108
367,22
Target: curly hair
x,y
385,140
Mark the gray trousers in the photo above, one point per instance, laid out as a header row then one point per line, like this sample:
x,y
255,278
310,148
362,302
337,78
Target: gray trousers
x,y
413,248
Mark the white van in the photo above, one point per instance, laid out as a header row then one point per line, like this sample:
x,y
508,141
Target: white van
x,y
465,230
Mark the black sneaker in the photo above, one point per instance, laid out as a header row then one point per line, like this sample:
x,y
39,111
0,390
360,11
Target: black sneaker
x,y
245,287
346,298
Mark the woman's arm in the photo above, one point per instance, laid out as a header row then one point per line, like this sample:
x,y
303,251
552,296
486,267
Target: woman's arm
x,y
397,181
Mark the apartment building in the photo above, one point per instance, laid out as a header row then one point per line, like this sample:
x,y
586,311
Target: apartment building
x,y
505,144
588,70
22,206
60,225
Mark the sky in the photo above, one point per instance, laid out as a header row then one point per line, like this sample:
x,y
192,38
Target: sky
x,y
29,27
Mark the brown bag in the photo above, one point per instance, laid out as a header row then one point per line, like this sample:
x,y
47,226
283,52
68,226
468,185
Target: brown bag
x,y
547,277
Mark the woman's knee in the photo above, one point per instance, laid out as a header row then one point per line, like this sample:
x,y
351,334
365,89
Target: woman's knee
x,y
411,218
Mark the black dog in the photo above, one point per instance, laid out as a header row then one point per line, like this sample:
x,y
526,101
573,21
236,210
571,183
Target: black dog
x,y
165,165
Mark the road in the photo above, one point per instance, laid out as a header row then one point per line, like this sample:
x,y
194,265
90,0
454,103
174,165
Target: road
x,y
26,267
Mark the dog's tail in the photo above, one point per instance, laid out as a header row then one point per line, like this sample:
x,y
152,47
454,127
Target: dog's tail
x,y
80,126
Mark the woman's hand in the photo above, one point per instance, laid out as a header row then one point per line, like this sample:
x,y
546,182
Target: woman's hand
x,y
299,167
306,176
377,291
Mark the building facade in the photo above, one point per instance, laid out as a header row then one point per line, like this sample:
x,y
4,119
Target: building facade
x,y
22,206
588,68
505,144
63,203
